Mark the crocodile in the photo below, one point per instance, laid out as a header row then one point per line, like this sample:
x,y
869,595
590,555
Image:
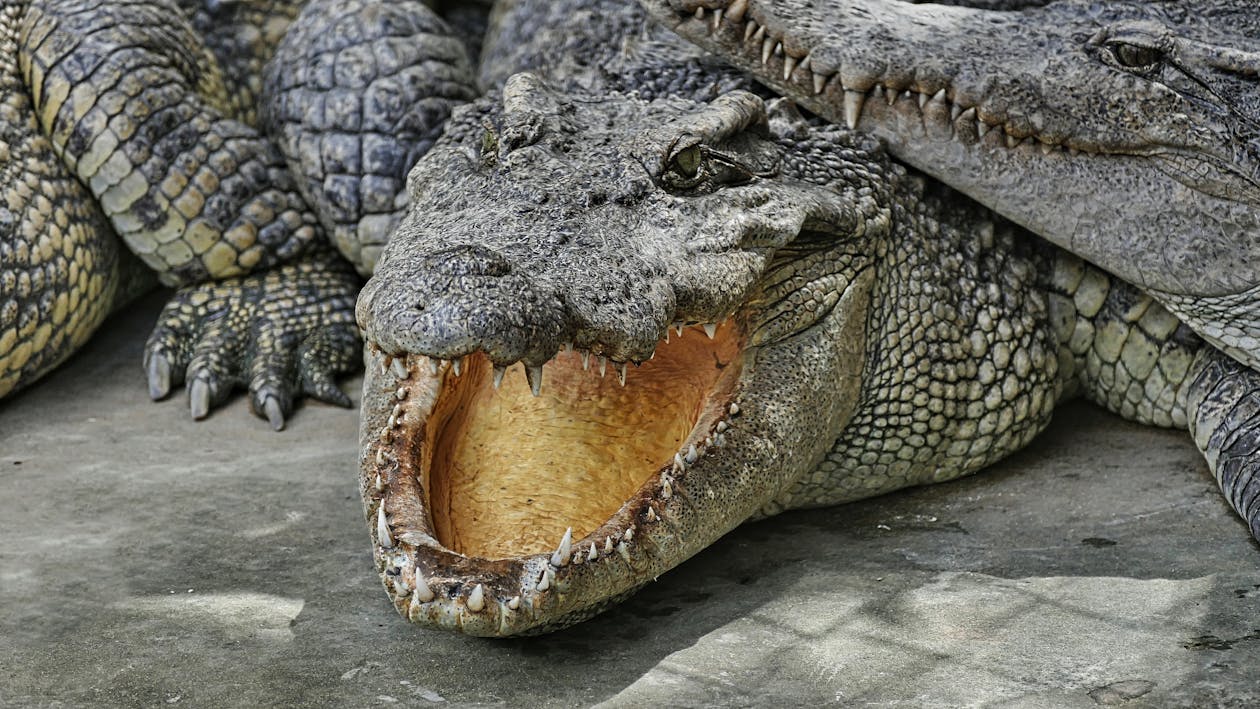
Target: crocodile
x,y
1125,132
640,301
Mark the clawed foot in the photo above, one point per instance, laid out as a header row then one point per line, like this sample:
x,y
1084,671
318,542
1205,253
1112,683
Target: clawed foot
x,y
282,334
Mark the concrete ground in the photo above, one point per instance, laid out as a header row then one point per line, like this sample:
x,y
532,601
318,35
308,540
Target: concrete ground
x,y
146,560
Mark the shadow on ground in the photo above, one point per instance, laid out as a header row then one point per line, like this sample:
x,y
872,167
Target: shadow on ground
x,y
147,560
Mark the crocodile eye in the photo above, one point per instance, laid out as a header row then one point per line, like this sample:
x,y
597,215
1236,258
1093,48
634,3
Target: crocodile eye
x,y
1136,57
686,162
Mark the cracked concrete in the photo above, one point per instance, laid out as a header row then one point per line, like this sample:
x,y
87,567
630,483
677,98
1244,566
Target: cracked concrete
x,y
149,560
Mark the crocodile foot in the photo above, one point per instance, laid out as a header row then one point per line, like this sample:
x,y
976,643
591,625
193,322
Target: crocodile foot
x,y
281,333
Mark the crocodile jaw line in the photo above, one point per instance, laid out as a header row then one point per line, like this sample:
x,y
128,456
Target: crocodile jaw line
x,y
489,519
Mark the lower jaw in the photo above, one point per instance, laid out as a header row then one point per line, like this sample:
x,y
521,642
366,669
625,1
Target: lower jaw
x,y
496,512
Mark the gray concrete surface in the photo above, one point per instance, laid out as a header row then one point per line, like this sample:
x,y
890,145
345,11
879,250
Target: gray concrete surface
x,y
149,561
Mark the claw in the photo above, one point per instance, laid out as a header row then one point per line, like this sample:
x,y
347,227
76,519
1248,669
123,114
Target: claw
x,y
199,398
275,416
159,377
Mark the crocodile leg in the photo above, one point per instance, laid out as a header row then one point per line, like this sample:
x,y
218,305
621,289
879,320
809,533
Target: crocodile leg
x,y
1224,406
280,333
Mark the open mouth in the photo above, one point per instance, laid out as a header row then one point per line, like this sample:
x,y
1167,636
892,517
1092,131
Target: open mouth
x,y
490,487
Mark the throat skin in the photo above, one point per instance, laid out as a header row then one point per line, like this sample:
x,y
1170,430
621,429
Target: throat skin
x,y
1152,177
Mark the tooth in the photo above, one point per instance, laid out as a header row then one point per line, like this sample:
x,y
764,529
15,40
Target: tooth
x,y
692,456
380,456
736,11
853,102
608,546
722,426
433,365
624,551
954,111
561,555
514,603
629,534
891,94
767,48
586,360
678,462
734,409
387,435
457,364
750,29
621,373
667,489
1011,141
477,599
603,366
982,129
400,369
820,83
382,528
499,370
923,99
544,583
533,375
1047,148
719,440
400,393
939,95
380,485
717,19
710,329
789,66
699,13
422,593
760,34
592,555
651,514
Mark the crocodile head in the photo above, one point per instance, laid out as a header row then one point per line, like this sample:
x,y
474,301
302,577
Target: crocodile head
x,y
584,349
1126,132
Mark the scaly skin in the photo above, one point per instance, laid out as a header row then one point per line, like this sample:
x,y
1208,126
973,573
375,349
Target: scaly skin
x,y
125,97
1125,132
868,331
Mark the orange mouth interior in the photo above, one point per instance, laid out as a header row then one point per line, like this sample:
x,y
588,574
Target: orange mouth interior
x,y
507,472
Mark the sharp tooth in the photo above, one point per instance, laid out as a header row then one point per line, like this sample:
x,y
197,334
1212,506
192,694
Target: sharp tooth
x,y
629,534
736,11
923,99
982,129
457,364
651,514
499,370
401,393
477,599
515,603
608,545
767,48
603,366
820,83
592,555
422,593
853,102
382,528
734,409
380,484
954,111
1047,148
722,426
533,375
621,373
710,329
789,66
544,583
692,456
562,554
586,360
750,29
400,369
760,34
699,13
434,363
891,94
380,456
678,462
667,489
624,551
717,19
